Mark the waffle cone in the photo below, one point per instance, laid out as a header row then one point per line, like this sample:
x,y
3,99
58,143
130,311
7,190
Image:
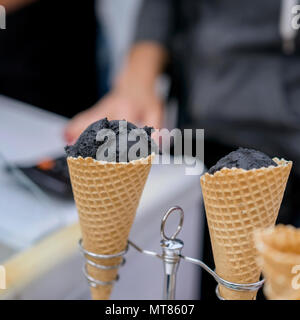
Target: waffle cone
x,y
107,195
279,257
237,202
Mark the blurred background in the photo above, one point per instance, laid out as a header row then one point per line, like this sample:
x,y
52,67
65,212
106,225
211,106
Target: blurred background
x,y
231,67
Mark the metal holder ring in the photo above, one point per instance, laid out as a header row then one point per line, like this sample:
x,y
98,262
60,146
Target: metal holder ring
x,y
95,282
218,293
100,256
103,267
230,285
164,219
240,287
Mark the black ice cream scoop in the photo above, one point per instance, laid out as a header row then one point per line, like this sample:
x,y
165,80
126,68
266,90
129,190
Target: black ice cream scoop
x,y
245,159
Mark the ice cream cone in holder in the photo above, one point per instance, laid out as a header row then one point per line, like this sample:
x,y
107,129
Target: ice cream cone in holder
x,y
279,257
238,202
107,195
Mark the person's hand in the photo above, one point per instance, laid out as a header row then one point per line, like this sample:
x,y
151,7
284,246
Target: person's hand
x,y
139,108
133,97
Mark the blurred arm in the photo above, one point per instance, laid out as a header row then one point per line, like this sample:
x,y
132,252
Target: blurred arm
x,y
12,5
133,96
145,62
149,53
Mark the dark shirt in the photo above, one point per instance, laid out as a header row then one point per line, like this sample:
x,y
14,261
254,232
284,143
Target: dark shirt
x,y
47,55
235,80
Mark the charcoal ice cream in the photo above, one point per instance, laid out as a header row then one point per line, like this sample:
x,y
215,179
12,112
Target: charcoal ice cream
x,y
245,159
113,141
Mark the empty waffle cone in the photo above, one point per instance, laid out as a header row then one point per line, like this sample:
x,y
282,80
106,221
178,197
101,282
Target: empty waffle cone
x,y
107,195
279,257
237,202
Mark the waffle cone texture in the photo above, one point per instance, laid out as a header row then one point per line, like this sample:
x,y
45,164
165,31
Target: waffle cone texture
x,y
237,202
279,257
107,195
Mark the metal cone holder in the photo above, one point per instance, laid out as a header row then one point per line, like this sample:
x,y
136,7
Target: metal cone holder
x,y
171,256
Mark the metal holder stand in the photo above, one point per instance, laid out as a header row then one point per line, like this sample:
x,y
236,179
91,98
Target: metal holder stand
x,y
171,256
87,254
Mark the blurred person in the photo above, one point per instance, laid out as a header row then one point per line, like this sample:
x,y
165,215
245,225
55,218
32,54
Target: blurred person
x,y
48,54
229,70
235,70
